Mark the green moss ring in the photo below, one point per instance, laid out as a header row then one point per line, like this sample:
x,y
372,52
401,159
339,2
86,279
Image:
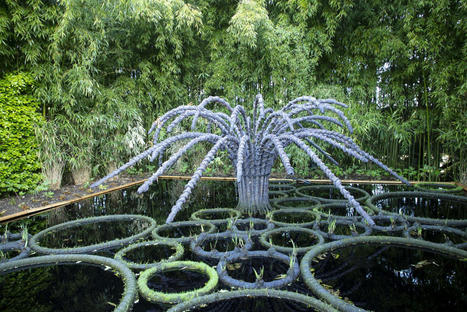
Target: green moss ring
x,y
284,186
352,227
323,293
129,281
120,255
156,233
438,187
201,214
276,194
295,211
252,293
339,211
371,203
156,296
34,242
280,203
241,241
240,224
362,194
264,239
291,275
409,233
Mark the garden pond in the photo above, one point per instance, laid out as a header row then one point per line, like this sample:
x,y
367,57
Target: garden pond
x,y
310,254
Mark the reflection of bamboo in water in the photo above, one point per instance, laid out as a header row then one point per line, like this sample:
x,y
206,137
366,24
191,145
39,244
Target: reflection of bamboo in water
x,y
361,262
57,216
337,273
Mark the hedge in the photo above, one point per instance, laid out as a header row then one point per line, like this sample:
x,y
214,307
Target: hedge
x,y
19,164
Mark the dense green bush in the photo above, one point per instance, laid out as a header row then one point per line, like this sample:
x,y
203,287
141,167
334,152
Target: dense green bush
x,y
19,166
105,67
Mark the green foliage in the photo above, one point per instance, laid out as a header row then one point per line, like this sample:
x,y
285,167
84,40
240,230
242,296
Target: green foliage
x,y
408,71
26,28
19,166
105,67
33,282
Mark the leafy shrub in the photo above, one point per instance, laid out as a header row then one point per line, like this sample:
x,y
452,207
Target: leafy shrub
x,y
19,165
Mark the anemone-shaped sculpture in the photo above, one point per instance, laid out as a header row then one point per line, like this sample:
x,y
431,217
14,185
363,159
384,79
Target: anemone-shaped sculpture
x,y
253,143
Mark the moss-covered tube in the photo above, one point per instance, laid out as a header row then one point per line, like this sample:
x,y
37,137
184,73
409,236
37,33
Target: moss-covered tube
x,y
290,276
321,292
129,290
306,218
170,298
438,187
197,302
371,203
204,226
295,202
178,254
264,239
360,195
34,242
202,214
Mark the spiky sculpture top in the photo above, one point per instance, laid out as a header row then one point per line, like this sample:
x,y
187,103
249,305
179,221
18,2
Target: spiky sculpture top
x,y
253,144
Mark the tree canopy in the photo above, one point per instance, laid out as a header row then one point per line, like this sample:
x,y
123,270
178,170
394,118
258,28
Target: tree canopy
x,y
104,67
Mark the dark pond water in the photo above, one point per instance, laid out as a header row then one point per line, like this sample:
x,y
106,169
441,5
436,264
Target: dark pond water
x,y
425,207
101,232
257,304
67,288
395,279
375,278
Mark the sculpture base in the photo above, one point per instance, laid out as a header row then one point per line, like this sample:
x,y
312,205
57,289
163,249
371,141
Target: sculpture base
x,y
253,195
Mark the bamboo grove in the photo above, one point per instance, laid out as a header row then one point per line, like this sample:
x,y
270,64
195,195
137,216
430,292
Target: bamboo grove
x,y
104,70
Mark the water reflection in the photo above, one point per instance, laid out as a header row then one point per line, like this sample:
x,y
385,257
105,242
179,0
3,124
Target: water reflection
x,y
424,207
68,288
377,278
395,278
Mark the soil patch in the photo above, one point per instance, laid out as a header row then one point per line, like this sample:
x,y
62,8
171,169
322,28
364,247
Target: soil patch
x,y
15,204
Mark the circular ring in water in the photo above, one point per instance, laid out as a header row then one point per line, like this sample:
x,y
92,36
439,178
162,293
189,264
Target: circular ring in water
x,y
120,255
351,225
250,223
295,212
438,187
394,223
241,241
360,195
252,293
277,194
264,239
14,246
291,275
157,296
34,242
280,203
416,231
206,227
338,210
8,237
201,214
13,242
324,294
371,203
283,186
128,278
